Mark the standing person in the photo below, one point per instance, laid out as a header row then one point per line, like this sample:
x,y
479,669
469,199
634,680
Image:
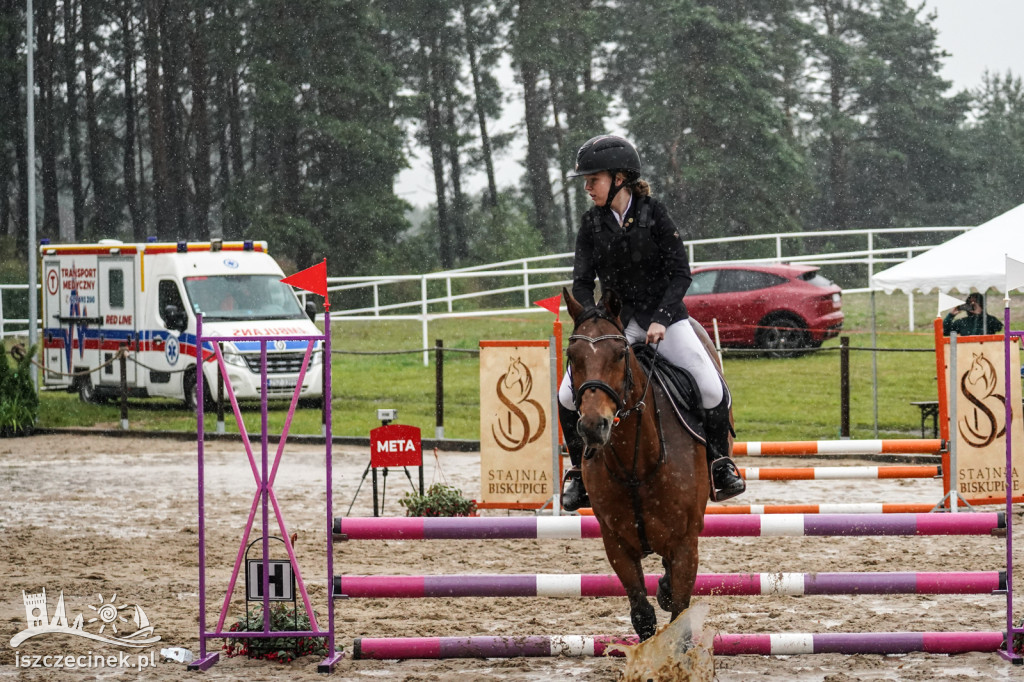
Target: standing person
x,y
975,323
629,242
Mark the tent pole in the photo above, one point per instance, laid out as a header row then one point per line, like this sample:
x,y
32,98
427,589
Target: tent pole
x,y
874,360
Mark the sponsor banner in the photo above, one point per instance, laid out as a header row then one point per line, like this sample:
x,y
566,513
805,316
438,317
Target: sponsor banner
x,y
515,423
980,428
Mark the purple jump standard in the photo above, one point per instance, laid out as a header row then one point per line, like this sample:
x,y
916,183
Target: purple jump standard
x,y
724,525
724,645
710,584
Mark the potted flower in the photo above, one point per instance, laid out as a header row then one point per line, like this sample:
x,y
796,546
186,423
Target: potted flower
x,y
439,500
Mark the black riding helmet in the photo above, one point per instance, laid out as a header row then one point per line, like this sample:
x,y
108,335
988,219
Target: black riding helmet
x,y
608,153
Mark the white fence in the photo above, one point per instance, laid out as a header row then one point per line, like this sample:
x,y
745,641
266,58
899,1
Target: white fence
x,y
543,276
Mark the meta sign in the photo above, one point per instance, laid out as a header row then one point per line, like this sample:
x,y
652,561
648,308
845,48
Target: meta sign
x,y
395,445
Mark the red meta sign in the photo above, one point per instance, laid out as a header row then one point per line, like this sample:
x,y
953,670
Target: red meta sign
x,y
395,446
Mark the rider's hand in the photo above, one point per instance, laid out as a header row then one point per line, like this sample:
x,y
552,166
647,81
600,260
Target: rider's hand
x,y
655,333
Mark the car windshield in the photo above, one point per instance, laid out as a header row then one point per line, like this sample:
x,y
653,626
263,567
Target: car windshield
x,y
242,297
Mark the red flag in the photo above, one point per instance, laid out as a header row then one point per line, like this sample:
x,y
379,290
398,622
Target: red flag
x,y
312,279
553,304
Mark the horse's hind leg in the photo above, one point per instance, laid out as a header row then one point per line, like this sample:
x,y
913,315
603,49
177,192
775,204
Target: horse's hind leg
x,y
681,570
665,586
626,564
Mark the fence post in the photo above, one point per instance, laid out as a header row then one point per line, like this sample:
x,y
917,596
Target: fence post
x,y
123,362
844,386
220,400
438,390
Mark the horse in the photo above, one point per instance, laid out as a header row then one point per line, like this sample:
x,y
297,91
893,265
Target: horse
x,y
646,475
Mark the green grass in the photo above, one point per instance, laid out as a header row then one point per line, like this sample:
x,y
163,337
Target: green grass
x,y
775,398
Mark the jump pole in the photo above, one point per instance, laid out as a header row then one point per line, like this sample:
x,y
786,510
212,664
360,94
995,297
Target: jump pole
x,y
785,644
571,586
906,446
839,473
726,525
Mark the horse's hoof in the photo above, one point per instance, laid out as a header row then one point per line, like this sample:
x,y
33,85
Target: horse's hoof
x,y
664,593
645,623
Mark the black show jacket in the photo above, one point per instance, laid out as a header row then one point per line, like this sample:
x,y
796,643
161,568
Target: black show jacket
x,y
645,264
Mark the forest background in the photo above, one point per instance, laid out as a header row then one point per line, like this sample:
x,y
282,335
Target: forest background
x,y
290,121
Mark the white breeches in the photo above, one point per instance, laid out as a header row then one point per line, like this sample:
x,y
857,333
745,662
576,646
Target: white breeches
x,y
683,349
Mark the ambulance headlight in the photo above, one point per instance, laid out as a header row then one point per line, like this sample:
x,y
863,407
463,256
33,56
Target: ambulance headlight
x,y
233,358
317,357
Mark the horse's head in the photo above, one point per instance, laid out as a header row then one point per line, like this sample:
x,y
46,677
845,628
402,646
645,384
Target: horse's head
x,y
598,356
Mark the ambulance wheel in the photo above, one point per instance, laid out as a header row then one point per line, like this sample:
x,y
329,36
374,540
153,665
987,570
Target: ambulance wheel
x,y
189,386
312,403
87,392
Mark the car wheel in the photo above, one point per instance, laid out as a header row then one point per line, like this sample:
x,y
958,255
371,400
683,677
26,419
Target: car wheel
x,y
189,386
87,392
783,337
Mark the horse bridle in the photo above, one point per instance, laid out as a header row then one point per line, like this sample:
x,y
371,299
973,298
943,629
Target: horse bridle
x,y
597,384
627,385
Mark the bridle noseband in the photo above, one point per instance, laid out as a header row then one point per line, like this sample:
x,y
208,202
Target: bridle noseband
x,y
597,384
621,411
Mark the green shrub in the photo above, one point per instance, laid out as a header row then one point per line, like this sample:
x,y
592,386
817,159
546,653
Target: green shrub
x,y
19,403
282,649
439,500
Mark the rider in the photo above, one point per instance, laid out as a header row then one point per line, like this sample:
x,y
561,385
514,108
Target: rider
x,y
629,241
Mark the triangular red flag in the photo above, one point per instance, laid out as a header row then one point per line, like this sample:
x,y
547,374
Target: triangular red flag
x,y
312,279
553,304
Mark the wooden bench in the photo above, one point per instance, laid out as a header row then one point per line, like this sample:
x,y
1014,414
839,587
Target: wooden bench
x,y
929,408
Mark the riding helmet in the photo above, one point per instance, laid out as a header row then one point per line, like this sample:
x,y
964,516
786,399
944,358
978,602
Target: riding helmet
x,y
606,153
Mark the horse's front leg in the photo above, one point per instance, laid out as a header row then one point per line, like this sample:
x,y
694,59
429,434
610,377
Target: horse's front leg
x,y
681,571
625,561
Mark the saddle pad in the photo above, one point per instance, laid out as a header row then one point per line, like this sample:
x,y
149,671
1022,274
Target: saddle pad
x,y
678,386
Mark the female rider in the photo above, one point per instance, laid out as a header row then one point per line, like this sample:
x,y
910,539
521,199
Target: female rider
x,y
630,243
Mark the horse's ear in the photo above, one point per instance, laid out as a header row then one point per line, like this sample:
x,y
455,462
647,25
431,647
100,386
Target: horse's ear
x,y
572,304
612,303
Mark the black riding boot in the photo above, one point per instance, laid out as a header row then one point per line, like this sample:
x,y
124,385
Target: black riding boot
x,y
574,494
726,481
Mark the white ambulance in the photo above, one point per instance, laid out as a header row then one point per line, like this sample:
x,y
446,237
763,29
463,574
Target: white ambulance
x,y
100,297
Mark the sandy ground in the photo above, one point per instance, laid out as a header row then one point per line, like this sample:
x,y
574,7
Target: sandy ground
x,y
96,517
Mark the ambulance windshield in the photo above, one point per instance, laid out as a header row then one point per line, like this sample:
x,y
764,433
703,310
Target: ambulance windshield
x,y
242,297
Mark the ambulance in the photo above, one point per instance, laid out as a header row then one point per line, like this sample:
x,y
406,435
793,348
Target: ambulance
x,y
98,298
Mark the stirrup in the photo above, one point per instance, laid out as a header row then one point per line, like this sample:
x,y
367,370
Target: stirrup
x,y
574,495
734,483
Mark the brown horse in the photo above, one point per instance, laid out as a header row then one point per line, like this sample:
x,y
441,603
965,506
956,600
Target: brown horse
x,y
647,477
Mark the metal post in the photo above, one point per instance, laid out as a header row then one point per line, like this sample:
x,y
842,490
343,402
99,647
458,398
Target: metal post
x,y
954,496
220,401
123,362
844,386
438,390
526,284
556,451
423,308
874,361
30,113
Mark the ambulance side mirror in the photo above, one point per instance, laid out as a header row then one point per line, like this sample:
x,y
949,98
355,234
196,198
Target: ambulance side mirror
x,y
311,310
175,318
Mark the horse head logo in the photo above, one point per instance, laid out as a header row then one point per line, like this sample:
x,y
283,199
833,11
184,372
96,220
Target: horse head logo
x,y
981,423
523,420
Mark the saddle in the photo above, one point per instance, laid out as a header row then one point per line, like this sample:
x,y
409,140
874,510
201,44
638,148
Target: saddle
x,y
679,387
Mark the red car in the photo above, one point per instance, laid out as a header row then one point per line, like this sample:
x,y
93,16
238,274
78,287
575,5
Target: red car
x,y
780,308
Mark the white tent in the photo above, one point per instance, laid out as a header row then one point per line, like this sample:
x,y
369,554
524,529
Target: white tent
x,y
973,260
